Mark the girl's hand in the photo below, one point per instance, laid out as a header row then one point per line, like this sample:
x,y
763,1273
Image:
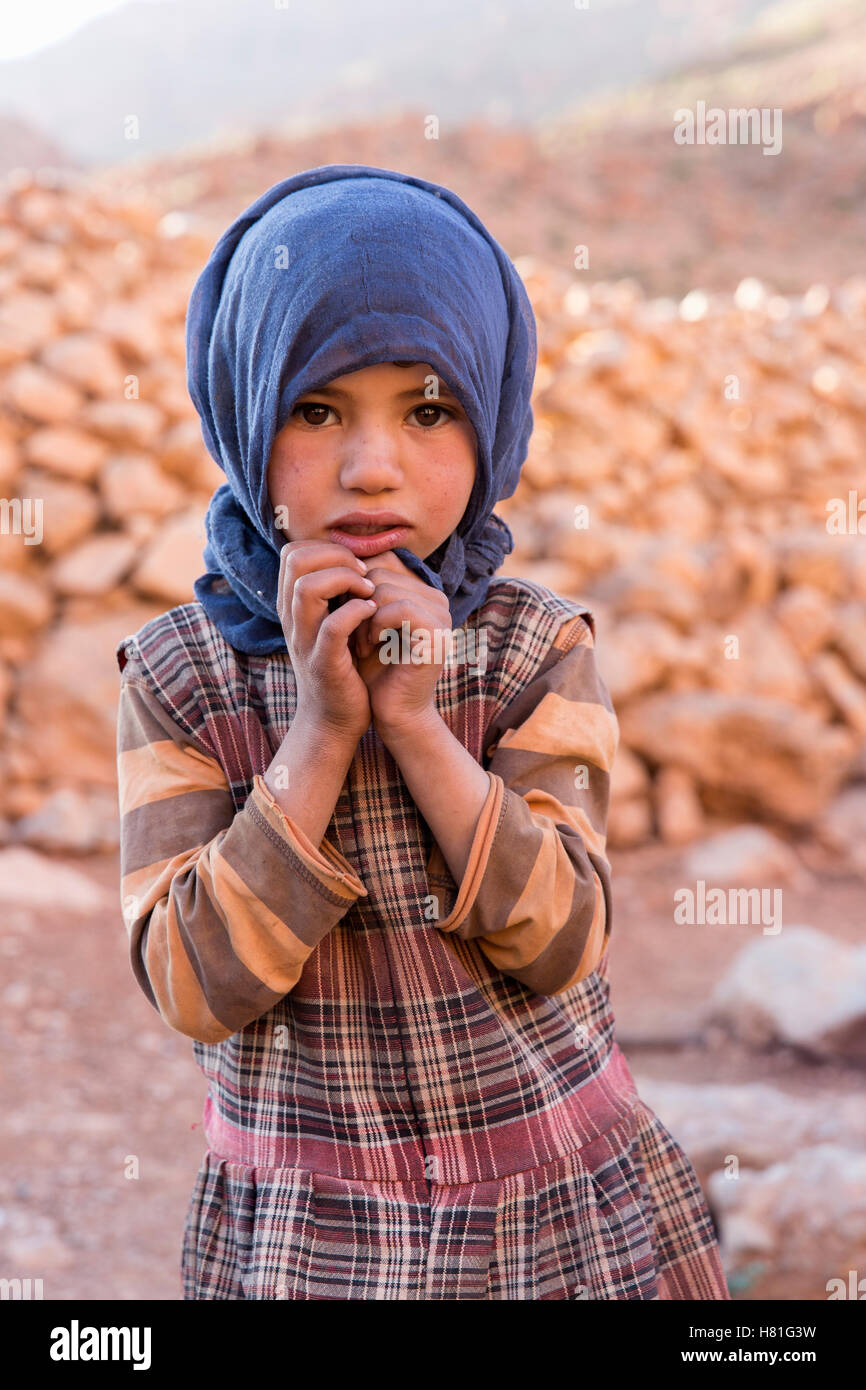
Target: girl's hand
x,y
401,692
331,693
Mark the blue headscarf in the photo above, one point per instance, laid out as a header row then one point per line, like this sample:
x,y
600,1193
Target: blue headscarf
x,y
331,270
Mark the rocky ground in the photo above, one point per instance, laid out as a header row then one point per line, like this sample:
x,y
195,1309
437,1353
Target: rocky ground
x,y
91,1080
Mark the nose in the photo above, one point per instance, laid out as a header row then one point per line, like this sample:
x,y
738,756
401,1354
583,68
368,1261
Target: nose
x,y
371,460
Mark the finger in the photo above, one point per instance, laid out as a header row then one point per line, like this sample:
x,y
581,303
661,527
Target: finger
x,y
386,559
318,588
357,641
425,598
419,617
298,558
301,557
311,594
390,586
338,627
406,582
365,644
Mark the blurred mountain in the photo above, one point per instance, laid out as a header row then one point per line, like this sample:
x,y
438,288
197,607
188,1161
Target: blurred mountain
x,y
23,145
153,78
610,178
706,215
801,55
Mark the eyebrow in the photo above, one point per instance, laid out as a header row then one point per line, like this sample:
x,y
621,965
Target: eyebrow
x,y
412,392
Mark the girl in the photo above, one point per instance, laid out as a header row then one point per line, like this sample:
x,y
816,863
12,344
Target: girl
x,y
369,879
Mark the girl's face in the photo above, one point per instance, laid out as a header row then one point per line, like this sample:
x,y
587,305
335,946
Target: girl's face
x,y
368,442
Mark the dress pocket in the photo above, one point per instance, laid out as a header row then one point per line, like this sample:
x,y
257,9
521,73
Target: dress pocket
x,y
209,1259
320,1237
577,1228
278,1257
619,1256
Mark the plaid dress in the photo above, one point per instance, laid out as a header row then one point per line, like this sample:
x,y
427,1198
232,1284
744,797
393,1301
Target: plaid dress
x,y
414,1091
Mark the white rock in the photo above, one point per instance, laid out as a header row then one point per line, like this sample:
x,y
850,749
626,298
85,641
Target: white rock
x,y
748,854
65,716
95,566
802,1221
70,821
843,826
35,881
757,1124
799,987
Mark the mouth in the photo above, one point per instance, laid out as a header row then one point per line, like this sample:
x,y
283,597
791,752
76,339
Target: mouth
x,y
364,540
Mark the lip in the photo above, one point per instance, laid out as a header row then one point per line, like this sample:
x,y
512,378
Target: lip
x,y
363,546
388,520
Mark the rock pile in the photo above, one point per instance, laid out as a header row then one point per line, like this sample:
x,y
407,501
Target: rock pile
x,y
104,481
693,474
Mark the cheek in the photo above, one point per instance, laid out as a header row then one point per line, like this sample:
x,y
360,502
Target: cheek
x,y
285,476
460,474
448,499
457,461
287,496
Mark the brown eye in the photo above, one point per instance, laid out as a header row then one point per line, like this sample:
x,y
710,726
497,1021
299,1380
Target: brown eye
x,y
437,410
311,405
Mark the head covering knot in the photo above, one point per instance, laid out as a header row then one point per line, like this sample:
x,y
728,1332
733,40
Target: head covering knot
x,y
332,270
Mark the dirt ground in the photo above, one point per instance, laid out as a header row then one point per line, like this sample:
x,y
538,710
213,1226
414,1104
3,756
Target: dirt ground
x,y
92,1077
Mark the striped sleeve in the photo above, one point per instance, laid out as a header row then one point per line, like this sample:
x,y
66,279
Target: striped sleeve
x,y
536,893
222,907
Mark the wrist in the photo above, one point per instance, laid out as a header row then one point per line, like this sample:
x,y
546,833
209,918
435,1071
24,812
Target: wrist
x,y
410,731
331,741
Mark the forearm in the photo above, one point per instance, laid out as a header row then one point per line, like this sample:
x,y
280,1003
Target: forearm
x,y
537,899
223,906
307,775
446,783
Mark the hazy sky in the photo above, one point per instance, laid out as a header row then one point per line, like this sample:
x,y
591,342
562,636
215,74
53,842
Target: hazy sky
x,y
28,27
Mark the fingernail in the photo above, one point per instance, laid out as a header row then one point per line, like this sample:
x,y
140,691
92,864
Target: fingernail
x,y
363,566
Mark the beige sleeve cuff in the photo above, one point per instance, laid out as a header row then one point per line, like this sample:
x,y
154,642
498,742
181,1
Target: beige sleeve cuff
x,y
326,862
479,854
